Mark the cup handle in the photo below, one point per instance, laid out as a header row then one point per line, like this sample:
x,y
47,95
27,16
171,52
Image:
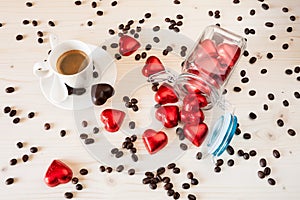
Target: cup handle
x,y
41,70
53,39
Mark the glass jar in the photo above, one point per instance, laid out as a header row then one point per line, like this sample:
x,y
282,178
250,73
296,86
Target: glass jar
x,y
205,71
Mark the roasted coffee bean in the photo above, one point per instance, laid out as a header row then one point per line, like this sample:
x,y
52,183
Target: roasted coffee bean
x,y
100,12
237,89
267,171
19,145
51,23
252,115
252,60
156,39
176,194
78,187
16,120
75,180
148,47
9,181
247,136
252,153
191,197
12,113
149,174
291,132
83,171
194,181
25,158
285,46
183,146
119,154
261,174
47,126
133,138
77,3
217,169
146,180
186,186
83,136
238,131
280,123
240,153
102,168
246,156
152,186
62,133
135,108
13,162
271,181
147,15
134,157
154,180
219,162
9,89
133,150
170,192
68,195
7,109
166,180
199,156
33,149
168,186
144,55
190,175
120,168
96,130
30,115
263,162
108,170
230,162
176,170
230,150
114,151
171,166
131,172
19,37
276,153
265,6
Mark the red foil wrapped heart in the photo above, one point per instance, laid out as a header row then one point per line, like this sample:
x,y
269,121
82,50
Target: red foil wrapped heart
x,y
208,49
194,102
58,173
153,65
166,94
128,45
195,133
168,115
196,117
154,141
112,119
228,54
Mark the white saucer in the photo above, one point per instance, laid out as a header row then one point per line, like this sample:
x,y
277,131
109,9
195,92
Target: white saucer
x,y
105,66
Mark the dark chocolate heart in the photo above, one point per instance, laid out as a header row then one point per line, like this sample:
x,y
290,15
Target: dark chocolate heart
x,y
101,92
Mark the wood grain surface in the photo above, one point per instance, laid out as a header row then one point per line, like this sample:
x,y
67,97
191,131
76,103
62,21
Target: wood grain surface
x,y
239,182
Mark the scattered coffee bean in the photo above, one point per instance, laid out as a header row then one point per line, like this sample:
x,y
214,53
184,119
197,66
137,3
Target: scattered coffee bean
x,y
247,136
237,89
176,194
77,3
190,175
280,123
149,174
100,12
9,89
265,6
9,181
33,149
156,39
119,154
131,172
25,158
219,162
78,187
19,145
230,162
12,113
230,150
170,192
186,186
261,174
89,141
108,169
171,166
199,156
30,115
183,146
83,136
135,108
217,169
75,180
240,153
168,186
25,22
7,109
152,186
51,23
194,181
120,168
285,46
16,120
246,156
276,153
271,181
84,123
29,4
291,132
263,162
134,157
176,170
19,37
252,60
83,171
68,195
89,23
13,162
102,168
146,180
34,23
47,126
267,171
191,197
133,138
252,153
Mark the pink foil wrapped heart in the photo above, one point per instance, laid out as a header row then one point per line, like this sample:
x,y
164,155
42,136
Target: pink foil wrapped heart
x,y
58,173
195,133
168,115
153,65
128,45
166,94
112,119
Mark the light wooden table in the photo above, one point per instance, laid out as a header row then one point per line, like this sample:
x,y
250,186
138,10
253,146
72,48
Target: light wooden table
x,y
238,182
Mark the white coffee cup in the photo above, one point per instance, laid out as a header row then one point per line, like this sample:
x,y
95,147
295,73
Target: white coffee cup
x,y
81,79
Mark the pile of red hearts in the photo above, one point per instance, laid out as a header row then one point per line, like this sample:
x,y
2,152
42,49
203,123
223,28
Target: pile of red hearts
x,y
214,61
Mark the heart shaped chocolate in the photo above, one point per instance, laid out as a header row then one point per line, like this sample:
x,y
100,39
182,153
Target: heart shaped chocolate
x,y
57,173
196,117
166,94
154,141
152,66
128,45
168,115
112,119
228,54
101,92
194,102
195,133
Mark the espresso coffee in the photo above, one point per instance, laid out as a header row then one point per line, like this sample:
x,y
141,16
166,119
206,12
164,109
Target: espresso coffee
x,y
72,62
